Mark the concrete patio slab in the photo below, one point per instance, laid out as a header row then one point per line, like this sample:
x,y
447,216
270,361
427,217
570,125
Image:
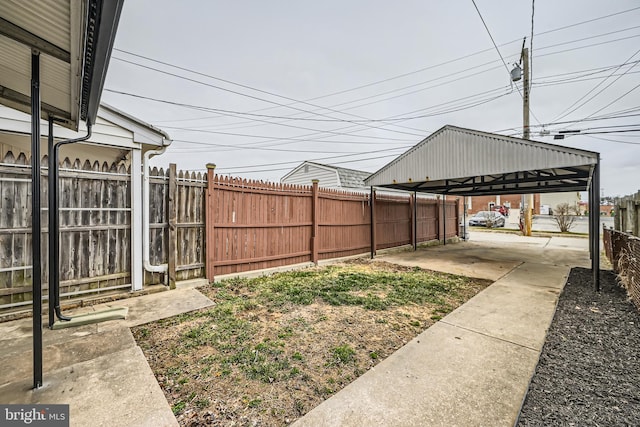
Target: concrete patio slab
x,y
65,350
97,369
465,259
116,389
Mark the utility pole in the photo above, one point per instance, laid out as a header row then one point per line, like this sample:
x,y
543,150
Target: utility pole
x,y
528,213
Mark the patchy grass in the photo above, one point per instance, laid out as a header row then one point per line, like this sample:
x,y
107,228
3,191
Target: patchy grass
x,y
274,347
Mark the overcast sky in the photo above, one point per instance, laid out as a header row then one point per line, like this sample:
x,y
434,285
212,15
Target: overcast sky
x,y
257,87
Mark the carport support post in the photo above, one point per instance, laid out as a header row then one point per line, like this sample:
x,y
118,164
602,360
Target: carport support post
x,y
594,225
36,226
372,204
444,219
415,220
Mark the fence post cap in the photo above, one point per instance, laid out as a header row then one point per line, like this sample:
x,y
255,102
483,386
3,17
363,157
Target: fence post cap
x,y
211,165
315,181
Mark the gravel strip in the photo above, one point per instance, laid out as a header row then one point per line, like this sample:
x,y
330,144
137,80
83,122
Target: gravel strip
x,y
589,370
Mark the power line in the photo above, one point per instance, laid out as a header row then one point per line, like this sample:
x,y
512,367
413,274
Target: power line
x,y
295,101
246,87
613,140
569,109
202,108
500,54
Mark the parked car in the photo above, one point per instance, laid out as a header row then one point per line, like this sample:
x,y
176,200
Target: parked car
x,y
487,219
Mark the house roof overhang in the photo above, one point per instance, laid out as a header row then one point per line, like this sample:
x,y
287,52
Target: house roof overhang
x,y
74,38
467,162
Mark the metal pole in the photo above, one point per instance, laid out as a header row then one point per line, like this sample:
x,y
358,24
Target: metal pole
x,y
415,220
53,235
444,219
36,226
372,198
464,218
595,259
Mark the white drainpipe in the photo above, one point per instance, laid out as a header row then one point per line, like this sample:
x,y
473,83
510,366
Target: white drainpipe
x,y
161,268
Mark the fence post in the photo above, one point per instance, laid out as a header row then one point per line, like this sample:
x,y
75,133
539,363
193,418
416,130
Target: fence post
x,y
372,204
314,220
173,229
209,222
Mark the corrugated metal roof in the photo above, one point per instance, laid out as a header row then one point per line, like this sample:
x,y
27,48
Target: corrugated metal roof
x,y
456,155
60,31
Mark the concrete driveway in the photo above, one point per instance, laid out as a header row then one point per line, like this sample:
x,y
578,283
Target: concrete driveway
x,y
491,255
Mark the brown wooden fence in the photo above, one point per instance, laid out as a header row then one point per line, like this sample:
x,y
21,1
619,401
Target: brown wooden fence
x,y
254,225
623,251
95,227
249,226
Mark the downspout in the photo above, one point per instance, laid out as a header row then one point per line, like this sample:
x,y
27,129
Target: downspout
x,y
160,268
54,221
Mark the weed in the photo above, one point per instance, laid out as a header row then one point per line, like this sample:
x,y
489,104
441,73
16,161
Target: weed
x,y
343,354
202,403
178,407
415,323
298,406
254,403
373,355
436,317
297,356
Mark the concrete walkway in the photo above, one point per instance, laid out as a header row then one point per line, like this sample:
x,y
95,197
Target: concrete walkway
x,y
473,367
98,370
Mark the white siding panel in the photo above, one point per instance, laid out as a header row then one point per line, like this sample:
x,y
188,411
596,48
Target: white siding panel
x,y
327,178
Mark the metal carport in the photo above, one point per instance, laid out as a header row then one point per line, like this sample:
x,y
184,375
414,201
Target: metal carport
x,y
465,162
54,56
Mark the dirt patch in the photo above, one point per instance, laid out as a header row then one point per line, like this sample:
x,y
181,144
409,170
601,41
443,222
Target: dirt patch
x,y
275,347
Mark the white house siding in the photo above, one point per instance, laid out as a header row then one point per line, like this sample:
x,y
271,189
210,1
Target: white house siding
x,y
306,173
15,136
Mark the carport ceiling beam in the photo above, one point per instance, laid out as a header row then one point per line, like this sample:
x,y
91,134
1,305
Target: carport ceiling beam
x,y
580,175
21,98
483,191
19,34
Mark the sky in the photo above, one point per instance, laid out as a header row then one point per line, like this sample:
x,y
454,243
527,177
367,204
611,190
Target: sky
x,y
259,87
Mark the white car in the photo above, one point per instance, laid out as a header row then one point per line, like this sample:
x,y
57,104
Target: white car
x,y
487,219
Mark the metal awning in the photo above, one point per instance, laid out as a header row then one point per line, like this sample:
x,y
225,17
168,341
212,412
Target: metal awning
x,y
465,162
74,38
468,162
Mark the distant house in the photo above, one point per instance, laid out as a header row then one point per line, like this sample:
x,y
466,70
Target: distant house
x,y
328,176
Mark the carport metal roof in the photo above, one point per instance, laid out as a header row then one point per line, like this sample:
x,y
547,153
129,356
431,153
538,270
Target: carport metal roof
x,y
465,162
468,162
75,38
